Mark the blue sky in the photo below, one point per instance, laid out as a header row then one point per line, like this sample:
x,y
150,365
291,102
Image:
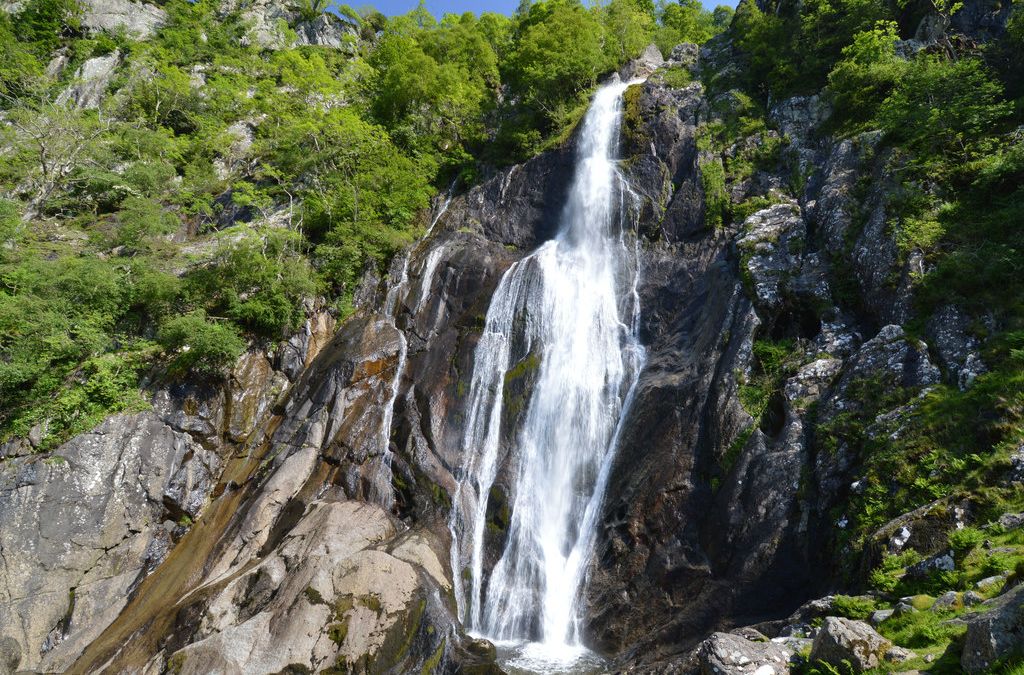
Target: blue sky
x,y
439,7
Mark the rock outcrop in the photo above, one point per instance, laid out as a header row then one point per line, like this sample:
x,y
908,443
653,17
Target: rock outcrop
x,y
994,634
728,654
138,19
91,81
83,526
854,642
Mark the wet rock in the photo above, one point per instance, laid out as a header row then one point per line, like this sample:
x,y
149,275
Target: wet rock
x,y
82,530
521,206
728,654
254,388
91,81
295,355
994,633
846,640
335,407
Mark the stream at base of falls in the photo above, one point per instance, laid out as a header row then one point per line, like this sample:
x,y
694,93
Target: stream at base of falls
x,y
566,318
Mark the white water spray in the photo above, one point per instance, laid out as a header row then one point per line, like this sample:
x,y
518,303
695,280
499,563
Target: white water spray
x,y
566,318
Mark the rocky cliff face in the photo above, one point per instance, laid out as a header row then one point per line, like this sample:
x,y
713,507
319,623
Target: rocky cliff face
x,y
295,519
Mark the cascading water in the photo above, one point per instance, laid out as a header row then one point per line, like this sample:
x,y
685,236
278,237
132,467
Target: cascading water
x,y
567,315
398,288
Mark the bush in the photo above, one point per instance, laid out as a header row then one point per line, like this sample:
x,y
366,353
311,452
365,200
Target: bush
x,y
965,540
716,199
196,344
853,607
865,77
944,107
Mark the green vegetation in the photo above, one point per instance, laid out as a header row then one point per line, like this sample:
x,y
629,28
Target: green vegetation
x,y
773,363
288,172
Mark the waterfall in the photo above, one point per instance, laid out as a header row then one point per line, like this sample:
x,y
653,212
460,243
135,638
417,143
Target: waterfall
x,y
565,318
398,288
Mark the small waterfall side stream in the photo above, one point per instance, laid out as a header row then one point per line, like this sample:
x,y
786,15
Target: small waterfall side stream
x,y
566,316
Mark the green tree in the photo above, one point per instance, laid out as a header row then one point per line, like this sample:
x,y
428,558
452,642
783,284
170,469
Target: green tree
x,y
196,344
630,26
866,76
942,106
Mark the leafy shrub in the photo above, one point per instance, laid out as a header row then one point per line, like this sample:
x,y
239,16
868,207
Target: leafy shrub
x,y
966,539
886,576
716,199
853,607
943,107
199,345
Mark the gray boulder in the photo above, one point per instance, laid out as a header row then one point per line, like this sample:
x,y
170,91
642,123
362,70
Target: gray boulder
x,y
1011,521
728,654
846,640
881,616
995,633
940,562
645,64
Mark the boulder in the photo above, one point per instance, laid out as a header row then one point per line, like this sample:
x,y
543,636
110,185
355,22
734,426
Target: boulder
x,y
1011,521
846,640
880,616
995,632
642,66
899,655
729,654
946,602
